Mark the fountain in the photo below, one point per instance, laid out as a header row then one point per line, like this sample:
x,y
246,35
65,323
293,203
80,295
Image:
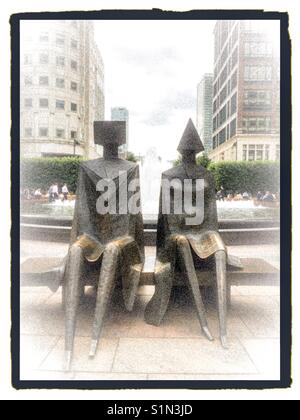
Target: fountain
x,y
151,171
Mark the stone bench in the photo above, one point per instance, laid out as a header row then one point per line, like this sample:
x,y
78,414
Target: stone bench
x,y
45,272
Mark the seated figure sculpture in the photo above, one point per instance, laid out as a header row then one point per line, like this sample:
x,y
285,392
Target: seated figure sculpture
x,y
107,237
186,246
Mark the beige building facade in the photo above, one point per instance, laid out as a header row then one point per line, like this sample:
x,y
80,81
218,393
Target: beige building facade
x,y
62,89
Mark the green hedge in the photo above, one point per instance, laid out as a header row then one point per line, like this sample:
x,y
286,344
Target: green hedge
x,y
233,176
247,176
43,172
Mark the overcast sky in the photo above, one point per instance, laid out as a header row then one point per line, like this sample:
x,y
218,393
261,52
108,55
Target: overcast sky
x,y
152,68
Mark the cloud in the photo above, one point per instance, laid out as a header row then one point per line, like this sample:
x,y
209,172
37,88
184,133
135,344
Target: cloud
x,y
158,117
167,106
180,100
152,60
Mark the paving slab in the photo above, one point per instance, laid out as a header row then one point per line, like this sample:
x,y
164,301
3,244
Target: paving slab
x,y
33,351
81,363
184,356
265,353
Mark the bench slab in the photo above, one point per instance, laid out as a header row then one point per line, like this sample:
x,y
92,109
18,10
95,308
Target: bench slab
x,y
255,272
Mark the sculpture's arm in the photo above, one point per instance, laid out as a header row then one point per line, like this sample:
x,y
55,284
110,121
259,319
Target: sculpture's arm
x,y
81,212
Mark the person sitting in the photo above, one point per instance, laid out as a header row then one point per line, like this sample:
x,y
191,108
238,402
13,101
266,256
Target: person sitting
x,y
246,196
259,196
268,197
38,194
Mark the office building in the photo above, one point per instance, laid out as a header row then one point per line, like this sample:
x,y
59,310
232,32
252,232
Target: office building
x,y
204,110
62,88
246,91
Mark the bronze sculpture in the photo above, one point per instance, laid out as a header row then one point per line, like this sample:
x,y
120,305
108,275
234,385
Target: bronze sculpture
x,y
107,238
187,247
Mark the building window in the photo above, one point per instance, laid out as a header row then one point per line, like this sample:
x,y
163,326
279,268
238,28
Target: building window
x,y
258,73
234,36
74,86
73,135
74,44
60,61
245,152
251,154
233,104
233,80
60,40
222,115
223,76
44,58
215,88
28,132
28,80
257,99
44,37
28,102
73,107
267,152
259,152
256,152
27,59
74,65
222,136
60,104
43,132
60,83
215,126
256,124
43,80
234,58
60,133
44,103
233,128
258,49
215,142
223,94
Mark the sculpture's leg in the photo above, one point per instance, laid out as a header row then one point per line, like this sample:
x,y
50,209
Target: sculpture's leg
x,y
220,258
187,264
105,289
158,305
72,290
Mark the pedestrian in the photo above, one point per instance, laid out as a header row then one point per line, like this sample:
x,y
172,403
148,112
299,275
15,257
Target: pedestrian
x,y
65,192
55,192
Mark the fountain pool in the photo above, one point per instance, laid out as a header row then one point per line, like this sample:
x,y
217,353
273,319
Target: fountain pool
x,y
229,210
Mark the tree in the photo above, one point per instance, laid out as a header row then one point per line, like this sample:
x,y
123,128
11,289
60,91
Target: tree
x,y
131,157
202,160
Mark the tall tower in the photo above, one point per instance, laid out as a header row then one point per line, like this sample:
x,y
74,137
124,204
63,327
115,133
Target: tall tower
x,y
246,91
62,88
204,110
122,114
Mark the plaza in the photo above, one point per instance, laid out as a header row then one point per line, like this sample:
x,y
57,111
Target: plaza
x,y
130,349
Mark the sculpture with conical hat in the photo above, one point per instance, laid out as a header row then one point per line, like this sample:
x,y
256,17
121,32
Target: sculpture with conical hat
x,y
187,248
110,244
190,140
